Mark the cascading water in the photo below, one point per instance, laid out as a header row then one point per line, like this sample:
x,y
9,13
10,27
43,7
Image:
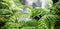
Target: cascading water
x,y
25,15
38,3
46,3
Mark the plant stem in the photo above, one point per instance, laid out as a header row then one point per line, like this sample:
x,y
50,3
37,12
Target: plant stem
x,y
52,26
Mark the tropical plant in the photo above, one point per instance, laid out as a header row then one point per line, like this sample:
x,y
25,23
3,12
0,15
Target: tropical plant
x,y
8,13
12,16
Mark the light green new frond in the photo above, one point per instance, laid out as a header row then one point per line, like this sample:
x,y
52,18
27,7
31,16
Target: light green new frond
x,y
47,21
39,11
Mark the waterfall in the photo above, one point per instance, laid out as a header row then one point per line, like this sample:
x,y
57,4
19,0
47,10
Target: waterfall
x,y
34,3
46,3
43,3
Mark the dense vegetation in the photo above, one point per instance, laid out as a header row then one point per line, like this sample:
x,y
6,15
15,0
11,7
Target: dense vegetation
x,y
41,18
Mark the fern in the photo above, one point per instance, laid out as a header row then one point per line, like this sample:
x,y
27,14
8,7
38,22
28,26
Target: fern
x,y
39,11
10,25
47,21
10,13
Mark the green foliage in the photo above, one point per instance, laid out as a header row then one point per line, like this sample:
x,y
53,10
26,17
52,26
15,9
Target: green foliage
x,y
31,23
28,28
47,21
10,13
10,25
39,11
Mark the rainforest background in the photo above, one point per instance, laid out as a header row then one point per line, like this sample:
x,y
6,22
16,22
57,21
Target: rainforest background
x,y
16,15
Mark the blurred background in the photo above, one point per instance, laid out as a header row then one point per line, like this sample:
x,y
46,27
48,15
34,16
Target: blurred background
x,y
29,14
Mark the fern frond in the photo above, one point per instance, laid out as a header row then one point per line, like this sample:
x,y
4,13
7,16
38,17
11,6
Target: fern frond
x,y
47,21
39,11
